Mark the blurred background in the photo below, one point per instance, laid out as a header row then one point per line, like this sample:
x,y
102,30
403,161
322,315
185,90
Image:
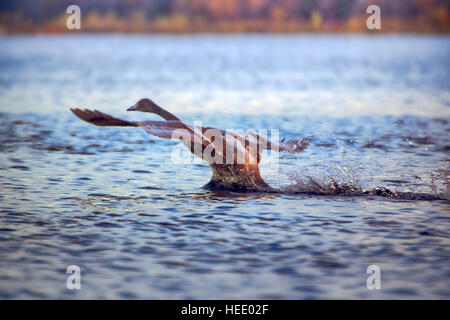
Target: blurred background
x,y
229,16
238,56
374,104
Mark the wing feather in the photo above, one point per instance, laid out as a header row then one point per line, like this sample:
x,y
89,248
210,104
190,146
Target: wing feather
x,y
101,119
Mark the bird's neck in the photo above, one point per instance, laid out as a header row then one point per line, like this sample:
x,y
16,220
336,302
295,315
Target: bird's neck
x,y
164,113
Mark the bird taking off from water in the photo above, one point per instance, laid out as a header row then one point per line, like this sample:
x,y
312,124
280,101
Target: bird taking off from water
x,y
233,157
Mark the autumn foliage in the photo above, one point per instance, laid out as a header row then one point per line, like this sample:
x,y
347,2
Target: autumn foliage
x,y
230,16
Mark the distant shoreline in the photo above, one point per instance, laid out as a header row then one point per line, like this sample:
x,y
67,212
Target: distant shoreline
x,y
355,25
225,16
205,33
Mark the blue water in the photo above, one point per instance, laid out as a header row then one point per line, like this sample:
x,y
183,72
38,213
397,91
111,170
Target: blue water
x,y
110,200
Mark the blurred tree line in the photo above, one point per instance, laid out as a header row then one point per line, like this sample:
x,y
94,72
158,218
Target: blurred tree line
x,y
183,16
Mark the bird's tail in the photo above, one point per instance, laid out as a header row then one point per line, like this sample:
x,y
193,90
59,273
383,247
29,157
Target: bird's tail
x,y
102,119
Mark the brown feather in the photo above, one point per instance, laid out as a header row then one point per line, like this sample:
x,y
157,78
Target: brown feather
x,y
101,119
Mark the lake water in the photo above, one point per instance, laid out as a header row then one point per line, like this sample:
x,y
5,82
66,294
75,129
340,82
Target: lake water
x,y
376,110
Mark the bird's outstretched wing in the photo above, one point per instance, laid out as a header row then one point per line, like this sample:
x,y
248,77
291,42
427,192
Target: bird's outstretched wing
x,y
291,146
101,119
246,146
167,129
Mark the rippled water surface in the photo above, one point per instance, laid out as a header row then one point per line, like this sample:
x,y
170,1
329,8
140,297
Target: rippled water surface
x,y
112,201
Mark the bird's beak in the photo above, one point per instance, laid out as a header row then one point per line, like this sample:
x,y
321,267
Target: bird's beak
x,y
132,108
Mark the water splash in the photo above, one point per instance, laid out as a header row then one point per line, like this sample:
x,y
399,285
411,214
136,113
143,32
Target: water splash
x,y
343,175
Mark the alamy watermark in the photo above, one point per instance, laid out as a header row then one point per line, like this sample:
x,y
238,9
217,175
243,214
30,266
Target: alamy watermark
x,y
217,146
374,20
73,21
374,280
74,280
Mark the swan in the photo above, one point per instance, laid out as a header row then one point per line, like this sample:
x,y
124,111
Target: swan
x,y
233,157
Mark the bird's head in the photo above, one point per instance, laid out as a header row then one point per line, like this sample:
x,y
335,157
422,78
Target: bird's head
x,y
144,105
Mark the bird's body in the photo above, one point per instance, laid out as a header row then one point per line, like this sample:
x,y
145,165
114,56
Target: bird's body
x,y
233,157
